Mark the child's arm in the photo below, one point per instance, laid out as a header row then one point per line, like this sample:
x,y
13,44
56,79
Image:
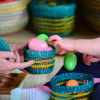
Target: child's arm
x,y
86,46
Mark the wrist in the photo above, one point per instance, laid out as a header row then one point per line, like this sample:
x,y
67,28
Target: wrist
x,y
77,44
74,42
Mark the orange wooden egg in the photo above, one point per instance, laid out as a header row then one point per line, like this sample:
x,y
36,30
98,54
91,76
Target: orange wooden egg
x,y
72,83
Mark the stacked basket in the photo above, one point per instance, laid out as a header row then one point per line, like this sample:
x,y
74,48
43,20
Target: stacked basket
x,y
13,16
81,92
53,17
91,13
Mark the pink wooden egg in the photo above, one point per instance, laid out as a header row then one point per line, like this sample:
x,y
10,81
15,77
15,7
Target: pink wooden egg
x,y
49,48
36,44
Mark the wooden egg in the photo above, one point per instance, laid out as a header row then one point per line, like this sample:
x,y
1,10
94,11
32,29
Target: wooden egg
x,y
72,83
70,61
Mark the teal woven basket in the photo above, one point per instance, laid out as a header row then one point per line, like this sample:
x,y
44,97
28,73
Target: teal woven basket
x,y
13,16
91,14
53,17
3,45
43,60
81,92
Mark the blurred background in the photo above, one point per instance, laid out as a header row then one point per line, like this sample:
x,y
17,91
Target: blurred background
x,y
21,20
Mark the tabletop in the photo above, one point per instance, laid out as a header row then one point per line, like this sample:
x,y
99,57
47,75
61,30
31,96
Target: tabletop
x,y
32,81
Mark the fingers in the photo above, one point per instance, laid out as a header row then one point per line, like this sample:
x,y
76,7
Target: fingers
x,y
87,63
4,54
18,47
22,65
63,52
7,72
86,59
94,59
5,67
11,60
17,57
59,43
55,38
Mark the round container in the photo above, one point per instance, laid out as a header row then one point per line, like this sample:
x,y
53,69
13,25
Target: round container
x,y
91,14
53,17
62,92
3,45
13,16
44,60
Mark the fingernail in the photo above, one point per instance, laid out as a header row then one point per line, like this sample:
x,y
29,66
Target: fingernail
x,y
49,40
32,61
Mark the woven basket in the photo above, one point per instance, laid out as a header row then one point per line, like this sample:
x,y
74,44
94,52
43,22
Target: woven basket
x,y
14,6
44,60
93,4
3,45
12,29
81,92
53,17
91,13
13,16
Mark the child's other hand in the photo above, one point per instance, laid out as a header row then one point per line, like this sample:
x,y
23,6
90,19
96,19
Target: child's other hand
x,y
18,48
19,55
6,66
88,59
66,44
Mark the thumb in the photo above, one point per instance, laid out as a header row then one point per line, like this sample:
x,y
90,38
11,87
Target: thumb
x,y
23,65
63,51
18,47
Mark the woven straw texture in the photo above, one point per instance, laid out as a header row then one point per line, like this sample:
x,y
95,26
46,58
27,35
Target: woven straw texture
x,y
14,6
3,45
13,16
91,13
53,17
44,60
81,92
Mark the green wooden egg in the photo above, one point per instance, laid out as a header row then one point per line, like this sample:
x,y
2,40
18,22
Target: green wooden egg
x,y
43,37
70,61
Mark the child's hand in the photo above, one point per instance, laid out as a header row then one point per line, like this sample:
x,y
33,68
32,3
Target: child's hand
x,y
18,48
19,55
88,59
66,44
6,66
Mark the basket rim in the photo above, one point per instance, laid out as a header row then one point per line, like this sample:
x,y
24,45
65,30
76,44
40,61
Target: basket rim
x,y
35,4
76,88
